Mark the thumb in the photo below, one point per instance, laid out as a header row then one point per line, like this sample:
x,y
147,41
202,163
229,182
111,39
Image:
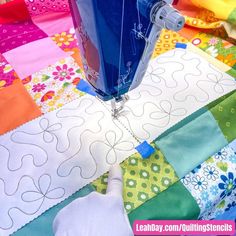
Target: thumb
x,y
115,181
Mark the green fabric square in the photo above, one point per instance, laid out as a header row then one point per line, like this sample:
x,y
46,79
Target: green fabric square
x,y
175,203
225,115
191,144
232,72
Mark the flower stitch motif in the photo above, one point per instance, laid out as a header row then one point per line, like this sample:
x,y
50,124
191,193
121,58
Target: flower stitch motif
x,y
165,111
153,74
48,130
43,190
63,73
211,173
228,185
218,83
114,146
38,87
199,183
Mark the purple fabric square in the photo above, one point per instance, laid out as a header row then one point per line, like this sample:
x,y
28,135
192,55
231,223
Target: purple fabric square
x,y
19,33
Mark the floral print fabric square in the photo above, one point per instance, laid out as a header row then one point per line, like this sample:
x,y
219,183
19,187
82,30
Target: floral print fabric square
x,y
67,41
167,42
33,57
18,33
55,85
223,206
216,47
213,182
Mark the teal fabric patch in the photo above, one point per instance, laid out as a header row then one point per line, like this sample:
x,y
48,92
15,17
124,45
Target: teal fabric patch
x,y
42,226
192,143
183,122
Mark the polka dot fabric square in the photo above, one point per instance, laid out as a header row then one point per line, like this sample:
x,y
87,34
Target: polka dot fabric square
x,y
19,33
39,7
167,42
143,179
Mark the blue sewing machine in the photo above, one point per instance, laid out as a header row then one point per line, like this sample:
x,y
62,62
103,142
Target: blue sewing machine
x,y
116,40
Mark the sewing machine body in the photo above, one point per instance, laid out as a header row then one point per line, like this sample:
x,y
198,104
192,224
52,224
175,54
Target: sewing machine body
x,y
117,38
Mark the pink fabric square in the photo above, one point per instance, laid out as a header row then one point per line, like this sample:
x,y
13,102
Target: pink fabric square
x,y
34,56
53,23
16,34
39,7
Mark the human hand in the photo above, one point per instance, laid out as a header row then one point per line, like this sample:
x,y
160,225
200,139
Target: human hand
x,y
96,214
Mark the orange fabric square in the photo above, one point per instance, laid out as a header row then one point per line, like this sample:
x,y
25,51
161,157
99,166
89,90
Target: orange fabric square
x,y
16,107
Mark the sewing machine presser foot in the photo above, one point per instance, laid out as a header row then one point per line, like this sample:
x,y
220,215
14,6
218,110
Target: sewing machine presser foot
x,y
117,105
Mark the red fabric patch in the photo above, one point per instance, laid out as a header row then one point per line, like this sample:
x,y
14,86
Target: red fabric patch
x,y
13,11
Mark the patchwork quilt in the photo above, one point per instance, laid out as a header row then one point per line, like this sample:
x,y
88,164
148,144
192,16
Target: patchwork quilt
x,y
57,142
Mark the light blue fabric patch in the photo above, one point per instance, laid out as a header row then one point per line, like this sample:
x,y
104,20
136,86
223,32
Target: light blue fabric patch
x,y
42,226
192,143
